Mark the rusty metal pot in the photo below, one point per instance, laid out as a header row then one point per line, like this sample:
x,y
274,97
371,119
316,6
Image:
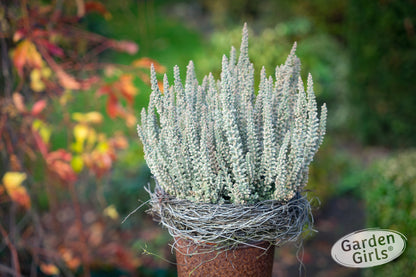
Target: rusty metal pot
x,y
198,260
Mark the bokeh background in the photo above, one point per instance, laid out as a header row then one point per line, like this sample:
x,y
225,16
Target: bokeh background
x,y
75,75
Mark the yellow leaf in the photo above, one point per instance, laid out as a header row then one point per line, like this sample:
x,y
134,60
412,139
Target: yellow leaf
x,y
46,72
77,163
35,74
102,147
77,146
36,83
92,138
45,133
43,129
34,58
80,117
94,117
12,182
13,179
81,132
111,212
91,117
49,269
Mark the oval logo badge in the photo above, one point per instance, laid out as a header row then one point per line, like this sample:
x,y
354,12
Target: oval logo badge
x,y
368,247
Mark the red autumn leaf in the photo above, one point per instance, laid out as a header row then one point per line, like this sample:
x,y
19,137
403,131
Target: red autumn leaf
x,y
63,170
20,196
66,80
94,6
71,261
160,85
147,62
119,142
19,57
105,89
53,49
18,35
59,163
39,33
26,54
130,119
38,107
43,148
59,154
18,102
126,87
127,46
112,106
99,162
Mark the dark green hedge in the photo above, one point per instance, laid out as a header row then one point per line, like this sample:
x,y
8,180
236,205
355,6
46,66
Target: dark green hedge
x,y
381,38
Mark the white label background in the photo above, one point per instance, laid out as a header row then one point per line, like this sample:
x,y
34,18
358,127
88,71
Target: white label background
x,y
392,250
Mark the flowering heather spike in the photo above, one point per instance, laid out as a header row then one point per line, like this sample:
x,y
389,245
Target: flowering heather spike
x,y
165,82
322,124
244,47
293,51
232,57
153,79
220,141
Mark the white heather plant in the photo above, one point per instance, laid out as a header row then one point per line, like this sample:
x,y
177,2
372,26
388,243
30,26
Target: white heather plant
x,y
220,142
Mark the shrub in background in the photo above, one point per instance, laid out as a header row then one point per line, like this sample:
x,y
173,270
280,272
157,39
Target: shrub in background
x,y
321,55
382,42
390,192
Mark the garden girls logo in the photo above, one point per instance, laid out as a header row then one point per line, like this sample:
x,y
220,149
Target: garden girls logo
x,y
368,247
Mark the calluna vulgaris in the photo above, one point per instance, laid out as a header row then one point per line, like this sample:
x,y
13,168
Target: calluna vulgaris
x,y
220,142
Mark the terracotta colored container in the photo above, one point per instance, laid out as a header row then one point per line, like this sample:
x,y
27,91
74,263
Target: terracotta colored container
x,y
242,261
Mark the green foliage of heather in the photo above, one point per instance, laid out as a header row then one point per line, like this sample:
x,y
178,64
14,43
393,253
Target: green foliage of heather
x,y
382,41
390,192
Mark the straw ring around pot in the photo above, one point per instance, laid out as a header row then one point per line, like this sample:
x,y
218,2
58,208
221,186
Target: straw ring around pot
x,y
226,226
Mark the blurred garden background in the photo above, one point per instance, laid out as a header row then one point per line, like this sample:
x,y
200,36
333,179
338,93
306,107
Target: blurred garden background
x,y
75,75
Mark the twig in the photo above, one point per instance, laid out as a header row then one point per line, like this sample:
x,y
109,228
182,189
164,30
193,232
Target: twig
x,y
79,223
8,270
15,259
135,210
6,69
